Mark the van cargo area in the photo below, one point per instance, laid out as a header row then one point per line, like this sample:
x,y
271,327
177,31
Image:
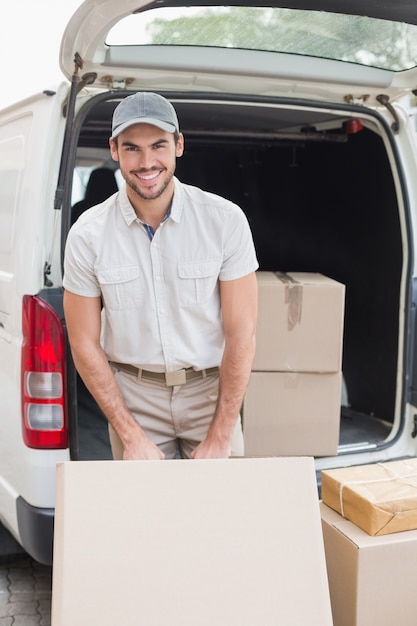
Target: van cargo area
x,y
321,191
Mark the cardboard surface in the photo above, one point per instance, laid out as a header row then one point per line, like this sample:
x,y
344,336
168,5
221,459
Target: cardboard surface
x,y
372,580
379,498
300,323
233,542
292,414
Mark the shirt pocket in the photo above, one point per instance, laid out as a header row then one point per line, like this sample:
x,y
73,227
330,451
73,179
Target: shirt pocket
x,y
121,286
198,281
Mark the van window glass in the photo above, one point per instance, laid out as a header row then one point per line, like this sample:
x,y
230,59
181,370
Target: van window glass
x,y
81,177
355,39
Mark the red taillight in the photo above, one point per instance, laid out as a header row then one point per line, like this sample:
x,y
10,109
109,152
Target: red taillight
x,y
43,376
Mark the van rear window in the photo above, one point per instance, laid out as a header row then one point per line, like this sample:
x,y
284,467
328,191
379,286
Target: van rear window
x,y
354,39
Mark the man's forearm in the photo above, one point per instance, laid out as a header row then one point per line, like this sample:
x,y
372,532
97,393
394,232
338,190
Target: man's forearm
x,y
234,377
239,313
98,377
100,381
83,317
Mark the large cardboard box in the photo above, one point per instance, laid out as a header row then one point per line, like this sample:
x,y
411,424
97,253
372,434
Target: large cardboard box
x,y
379,498
372,580
289,413
233,542
300,323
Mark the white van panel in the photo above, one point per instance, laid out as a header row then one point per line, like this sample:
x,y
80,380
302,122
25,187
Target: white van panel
x,y
29,162
29,237
13,140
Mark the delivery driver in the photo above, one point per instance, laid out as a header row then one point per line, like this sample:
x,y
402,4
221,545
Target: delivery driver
x,y
168,357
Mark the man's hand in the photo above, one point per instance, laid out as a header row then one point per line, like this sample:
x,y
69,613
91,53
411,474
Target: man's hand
x,y
142,450
212,449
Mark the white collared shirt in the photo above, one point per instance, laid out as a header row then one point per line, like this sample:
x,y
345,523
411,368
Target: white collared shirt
x,y
161,297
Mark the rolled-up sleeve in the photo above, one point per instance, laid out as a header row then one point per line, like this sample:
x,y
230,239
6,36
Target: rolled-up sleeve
x,y
79,273
239,250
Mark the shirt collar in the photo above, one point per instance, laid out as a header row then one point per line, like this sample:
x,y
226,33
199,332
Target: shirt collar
x,y
126,208
177,201
128,211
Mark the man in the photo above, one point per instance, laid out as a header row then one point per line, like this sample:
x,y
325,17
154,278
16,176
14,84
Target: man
x,y
168,358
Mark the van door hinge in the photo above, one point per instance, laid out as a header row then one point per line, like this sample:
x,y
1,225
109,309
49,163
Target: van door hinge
x,y
116,83
414,433
357,100
46,273
384,100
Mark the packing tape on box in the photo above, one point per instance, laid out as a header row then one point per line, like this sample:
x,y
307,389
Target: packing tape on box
x,y
392,476
293,298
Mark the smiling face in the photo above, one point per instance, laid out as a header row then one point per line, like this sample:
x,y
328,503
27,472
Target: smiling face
x,y
147,157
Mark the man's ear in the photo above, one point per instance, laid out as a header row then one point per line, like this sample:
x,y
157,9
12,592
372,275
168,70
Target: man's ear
x,y
113,149
180,145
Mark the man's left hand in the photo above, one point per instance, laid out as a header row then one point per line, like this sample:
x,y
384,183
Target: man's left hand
x,y
212,450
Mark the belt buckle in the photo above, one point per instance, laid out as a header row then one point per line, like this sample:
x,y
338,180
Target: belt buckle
x,y
177,377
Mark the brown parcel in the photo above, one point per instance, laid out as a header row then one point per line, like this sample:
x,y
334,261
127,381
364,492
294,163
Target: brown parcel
x,y
292,414
372,580
380,498
233,542
300,323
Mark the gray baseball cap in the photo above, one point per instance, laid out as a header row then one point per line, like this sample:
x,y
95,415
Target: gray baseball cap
x,y
144,108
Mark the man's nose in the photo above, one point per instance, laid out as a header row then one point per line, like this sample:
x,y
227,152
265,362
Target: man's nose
x,y
146,159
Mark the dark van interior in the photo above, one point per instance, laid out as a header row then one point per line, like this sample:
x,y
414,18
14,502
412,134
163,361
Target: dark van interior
x,y
318,189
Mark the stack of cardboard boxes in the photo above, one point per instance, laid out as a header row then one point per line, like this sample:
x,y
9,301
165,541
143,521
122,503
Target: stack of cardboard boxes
x,y
292,404
369,519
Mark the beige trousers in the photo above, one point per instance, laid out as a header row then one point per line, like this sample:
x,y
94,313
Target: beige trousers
x,y
175,418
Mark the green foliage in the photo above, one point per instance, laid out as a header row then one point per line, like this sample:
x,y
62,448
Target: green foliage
x,y
356,39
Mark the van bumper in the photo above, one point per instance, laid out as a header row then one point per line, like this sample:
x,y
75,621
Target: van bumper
x,y
36,530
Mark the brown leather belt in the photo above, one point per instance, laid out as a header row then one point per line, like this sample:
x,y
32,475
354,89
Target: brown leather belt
x,y
178,377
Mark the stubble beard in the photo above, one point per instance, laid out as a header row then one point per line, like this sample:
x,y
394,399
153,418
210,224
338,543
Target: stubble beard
x,y
153,194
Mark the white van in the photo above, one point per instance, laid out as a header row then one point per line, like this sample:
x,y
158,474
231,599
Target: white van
x,y
301,116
